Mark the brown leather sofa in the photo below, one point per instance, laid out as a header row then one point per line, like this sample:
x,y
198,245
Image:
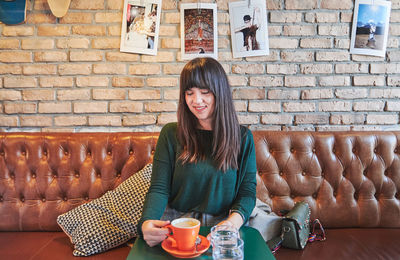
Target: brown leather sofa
x,y
350,179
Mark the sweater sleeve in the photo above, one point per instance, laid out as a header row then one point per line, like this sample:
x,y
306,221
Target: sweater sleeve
x,y
246,195
163,167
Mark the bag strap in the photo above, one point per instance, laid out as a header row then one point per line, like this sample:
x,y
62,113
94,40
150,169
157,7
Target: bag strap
x,y
321,236
275,243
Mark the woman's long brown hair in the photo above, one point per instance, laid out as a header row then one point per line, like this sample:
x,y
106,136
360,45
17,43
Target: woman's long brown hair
x,y
207,73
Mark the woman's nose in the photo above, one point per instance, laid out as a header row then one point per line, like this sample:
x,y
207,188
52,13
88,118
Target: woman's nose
x,y
197,98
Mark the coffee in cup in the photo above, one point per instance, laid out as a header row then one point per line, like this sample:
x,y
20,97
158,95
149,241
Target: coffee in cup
x,y
186,224
183,233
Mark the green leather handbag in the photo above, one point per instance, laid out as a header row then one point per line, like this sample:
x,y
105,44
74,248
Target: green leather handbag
x,y
296,229
296,226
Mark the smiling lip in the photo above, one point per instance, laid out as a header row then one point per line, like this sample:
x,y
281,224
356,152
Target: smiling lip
x,y
200,108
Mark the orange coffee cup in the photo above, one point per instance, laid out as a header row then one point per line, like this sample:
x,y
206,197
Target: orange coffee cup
x,y
183,233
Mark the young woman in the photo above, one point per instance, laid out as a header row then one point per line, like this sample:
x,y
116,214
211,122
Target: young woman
x,y
205,164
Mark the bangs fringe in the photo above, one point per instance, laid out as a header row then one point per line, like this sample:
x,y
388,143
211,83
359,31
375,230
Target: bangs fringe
x,y
195,79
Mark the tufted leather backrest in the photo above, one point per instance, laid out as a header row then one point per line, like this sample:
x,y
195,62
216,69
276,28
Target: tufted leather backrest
x,y
43,175
349,179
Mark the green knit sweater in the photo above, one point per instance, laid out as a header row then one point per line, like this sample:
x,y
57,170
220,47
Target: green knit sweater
x,y
200,187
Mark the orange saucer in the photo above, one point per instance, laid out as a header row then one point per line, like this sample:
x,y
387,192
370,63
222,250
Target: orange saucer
x,y
201,248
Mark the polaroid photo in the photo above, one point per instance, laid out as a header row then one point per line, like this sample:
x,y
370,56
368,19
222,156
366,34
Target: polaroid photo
x,y
249,31
199,36
370,27
140,26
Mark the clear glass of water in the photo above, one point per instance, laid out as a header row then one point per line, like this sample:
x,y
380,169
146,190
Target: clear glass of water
x,y
225,248
224,232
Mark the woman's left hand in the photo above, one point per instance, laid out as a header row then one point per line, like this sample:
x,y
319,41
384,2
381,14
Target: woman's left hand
x,y
226,223
234,219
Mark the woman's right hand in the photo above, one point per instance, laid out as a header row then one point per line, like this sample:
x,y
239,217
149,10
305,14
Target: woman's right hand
x,y
153,231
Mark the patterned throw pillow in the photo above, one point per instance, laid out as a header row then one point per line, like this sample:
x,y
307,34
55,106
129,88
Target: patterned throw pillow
x,y
110,220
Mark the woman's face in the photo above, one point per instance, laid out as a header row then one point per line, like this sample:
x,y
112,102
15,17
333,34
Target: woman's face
x,y
201,102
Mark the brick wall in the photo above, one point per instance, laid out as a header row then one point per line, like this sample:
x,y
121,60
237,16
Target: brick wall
x,y
68,74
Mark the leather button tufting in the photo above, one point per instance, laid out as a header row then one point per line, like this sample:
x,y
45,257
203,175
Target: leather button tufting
x,y
118,175
292,150
2,153
76,175
271,196
292,196
1,199
65,198
33,176
335,194
303,173
313,150
314,195
130,152
152,152
23,153
375,150
22,199
109,153
280,173
44,199
86,198
354,150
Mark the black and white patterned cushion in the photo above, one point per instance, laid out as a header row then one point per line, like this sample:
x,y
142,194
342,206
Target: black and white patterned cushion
x,y
110,220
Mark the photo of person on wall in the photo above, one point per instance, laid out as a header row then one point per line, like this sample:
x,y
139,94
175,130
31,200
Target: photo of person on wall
x,y
249,28
370,27
140,27
199,34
